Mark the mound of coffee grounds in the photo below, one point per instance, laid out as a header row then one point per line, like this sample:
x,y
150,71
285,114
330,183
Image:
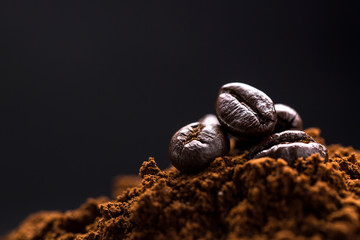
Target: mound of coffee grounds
x,y
57,225
123,182
234,198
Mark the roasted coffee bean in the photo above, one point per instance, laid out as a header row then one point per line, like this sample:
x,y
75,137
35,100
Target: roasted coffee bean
x,y
287,118
288,145
209,119
196,145
245,111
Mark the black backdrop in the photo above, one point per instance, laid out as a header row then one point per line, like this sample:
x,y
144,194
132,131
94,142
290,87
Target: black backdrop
x,y
90,90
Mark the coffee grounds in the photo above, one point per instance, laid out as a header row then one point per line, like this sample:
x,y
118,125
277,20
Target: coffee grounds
x,y
234,198
123,182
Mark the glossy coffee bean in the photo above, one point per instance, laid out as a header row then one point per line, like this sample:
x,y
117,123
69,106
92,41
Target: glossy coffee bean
x,y
287,118
245,111
288,145
196,145
209,119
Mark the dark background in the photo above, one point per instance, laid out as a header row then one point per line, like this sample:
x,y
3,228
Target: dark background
x,y
90,90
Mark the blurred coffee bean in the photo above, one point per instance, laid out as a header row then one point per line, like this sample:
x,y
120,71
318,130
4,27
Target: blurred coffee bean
x,y
209,119
196,145
245,111
287,118
288,145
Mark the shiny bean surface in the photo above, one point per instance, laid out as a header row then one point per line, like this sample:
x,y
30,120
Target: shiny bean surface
x,y
287,118
196,145
288,145
245,111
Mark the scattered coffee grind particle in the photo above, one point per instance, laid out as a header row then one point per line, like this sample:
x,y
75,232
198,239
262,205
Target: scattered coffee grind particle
x,y
234,198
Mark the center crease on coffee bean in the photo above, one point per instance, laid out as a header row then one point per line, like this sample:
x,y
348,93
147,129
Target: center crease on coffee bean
x,y
253,110
193,135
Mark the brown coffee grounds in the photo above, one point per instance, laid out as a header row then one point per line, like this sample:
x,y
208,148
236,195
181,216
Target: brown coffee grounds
x,y
232,199
57,225
123,182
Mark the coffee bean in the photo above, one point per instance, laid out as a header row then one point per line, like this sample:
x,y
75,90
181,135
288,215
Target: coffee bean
x,y
288,145
196,145
287,118
245,111
209,119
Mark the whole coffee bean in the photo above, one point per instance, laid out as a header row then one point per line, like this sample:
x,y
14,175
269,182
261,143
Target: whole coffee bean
x,y
196,145
209,119
288,145
245,111
287,118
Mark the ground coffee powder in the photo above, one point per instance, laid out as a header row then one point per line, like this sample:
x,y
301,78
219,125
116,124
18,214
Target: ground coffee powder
x,y
234,198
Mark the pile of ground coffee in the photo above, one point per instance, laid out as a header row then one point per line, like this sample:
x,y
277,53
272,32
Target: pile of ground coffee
x,y
123,182
234,198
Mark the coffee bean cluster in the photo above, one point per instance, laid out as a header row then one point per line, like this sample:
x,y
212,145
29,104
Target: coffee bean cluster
x,y
250,116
